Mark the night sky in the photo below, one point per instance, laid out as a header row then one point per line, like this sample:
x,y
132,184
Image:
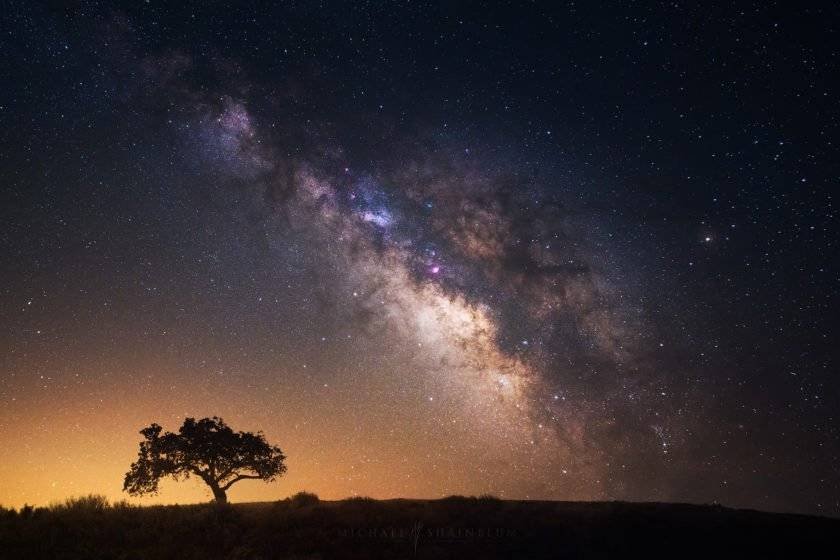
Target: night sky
x,y
544,251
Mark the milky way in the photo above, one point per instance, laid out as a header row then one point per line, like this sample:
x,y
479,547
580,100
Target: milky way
x,y
472,290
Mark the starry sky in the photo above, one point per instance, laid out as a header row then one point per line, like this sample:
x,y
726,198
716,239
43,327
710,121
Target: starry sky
x,y
571,251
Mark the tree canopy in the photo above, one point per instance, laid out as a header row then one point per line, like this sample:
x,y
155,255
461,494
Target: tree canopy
x,y
206,448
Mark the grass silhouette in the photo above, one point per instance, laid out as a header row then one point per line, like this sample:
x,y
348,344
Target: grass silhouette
x,y
303,526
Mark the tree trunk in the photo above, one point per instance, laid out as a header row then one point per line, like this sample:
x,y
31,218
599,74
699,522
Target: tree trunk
x,y
219,494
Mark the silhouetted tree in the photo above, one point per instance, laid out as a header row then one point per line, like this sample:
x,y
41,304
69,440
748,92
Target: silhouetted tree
x,y
206,448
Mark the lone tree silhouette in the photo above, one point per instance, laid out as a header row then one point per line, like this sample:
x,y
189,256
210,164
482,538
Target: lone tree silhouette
x,y
206,448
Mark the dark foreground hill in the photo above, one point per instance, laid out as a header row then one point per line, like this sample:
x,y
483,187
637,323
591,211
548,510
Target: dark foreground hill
x,y
470,528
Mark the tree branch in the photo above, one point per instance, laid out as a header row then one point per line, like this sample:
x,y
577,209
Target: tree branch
x,y
241,477
200,473
225,474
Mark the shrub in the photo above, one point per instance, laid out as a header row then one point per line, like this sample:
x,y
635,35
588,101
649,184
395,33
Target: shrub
x,y
304,499
455,498
92,503
489,498
125,505
360,499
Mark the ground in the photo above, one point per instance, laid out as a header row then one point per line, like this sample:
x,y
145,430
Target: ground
x,y
305,528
